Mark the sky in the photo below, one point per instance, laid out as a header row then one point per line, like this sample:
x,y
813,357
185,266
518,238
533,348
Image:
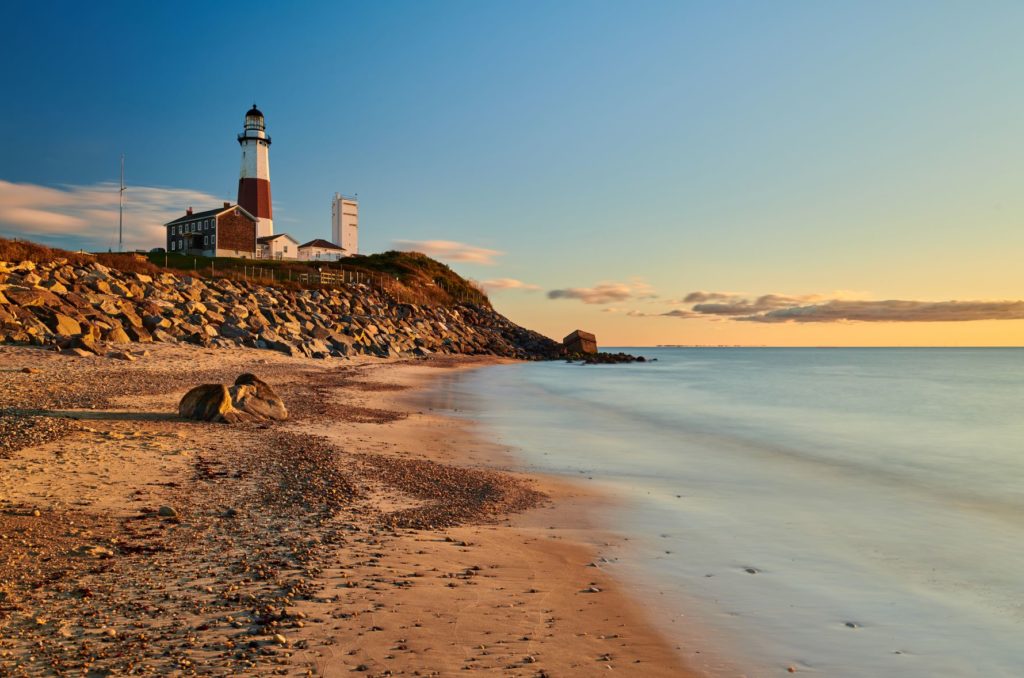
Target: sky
x,y
790,173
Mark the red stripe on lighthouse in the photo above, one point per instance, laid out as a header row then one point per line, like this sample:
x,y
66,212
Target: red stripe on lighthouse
x,y
254,197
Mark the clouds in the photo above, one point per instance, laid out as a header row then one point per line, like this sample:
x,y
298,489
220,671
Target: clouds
x,y
449,250
839,307
701,296
87,214
735,305
606,292
893,310
507,284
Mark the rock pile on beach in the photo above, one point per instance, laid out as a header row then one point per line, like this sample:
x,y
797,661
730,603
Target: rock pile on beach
x,y
90,309
604,358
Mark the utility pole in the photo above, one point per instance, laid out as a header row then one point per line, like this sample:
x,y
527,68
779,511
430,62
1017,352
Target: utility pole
x,y
120,211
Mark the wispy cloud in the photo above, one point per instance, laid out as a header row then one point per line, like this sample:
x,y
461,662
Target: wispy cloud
x,y
507,284
702,296
449,250
87,214
840,306
606,292
679,313
893,310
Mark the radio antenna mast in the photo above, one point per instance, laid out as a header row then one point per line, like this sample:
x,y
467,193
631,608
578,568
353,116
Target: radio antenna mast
x,y
120,210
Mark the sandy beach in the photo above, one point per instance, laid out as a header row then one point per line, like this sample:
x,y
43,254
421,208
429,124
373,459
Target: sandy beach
x,y
367,534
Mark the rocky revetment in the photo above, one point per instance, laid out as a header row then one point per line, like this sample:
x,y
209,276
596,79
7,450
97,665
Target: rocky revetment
x,y
89,308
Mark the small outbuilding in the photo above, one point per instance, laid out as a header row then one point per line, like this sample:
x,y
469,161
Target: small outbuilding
x,y
321,250
279,246
580,342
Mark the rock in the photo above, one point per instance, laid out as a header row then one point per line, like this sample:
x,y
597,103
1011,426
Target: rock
x,y
155,322
606,358
64,326
31,296
98,552
118,336
86,342
30,370
121,355
138,334
167,512
280,639
254,396
209,402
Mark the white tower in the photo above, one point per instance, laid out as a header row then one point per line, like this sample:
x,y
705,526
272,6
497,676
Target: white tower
x,y
254,179
345,223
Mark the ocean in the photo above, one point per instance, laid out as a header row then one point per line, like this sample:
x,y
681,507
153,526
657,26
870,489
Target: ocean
x,y
841,512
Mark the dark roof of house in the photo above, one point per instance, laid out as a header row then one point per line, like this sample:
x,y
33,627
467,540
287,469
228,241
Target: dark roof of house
x,y
267,238
325,244
210,213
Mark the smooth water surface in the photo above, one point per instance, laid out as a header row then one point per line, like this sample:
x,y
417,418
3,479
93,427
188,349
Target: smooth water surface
x,y
846,512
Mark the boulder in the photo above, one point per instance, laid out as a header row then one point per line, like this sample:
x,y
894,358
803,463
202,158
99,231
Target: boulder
x,y
254,396
138,334
34,296
86,342
248,399
64,326
209,402
118,336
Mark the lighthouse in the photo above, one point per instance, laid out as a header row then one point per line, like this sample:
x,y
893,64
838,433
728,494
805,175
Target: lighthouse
x,y
254,179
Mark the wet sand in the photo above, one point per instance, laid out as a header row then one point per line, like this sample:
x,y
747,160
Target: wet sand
x,y
367,535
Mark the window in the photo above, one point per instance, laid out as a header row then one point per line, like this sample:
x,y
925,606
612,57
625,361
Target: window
x,y
286,248
206,240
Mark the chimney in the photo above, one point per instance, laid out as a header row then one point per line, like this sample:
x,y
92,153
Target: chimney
x,y
188,212
227,205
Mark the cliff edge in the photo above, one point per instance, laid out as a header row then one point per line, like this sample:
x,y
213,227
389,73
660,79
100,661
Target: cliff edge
x,y
75,303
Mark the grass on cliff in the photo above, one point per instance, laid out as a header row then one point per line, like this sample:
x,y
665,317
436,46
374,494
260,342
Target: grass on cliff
x,y
418,271
408,276
23,250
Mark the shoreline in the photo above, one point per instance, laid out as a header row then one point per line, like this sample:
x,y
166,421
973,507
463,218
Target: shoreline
x,y
300,548
555,543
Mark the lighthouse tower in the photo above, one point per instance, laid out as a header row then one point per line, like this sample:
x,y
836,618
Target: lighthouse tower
x,y
254,180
